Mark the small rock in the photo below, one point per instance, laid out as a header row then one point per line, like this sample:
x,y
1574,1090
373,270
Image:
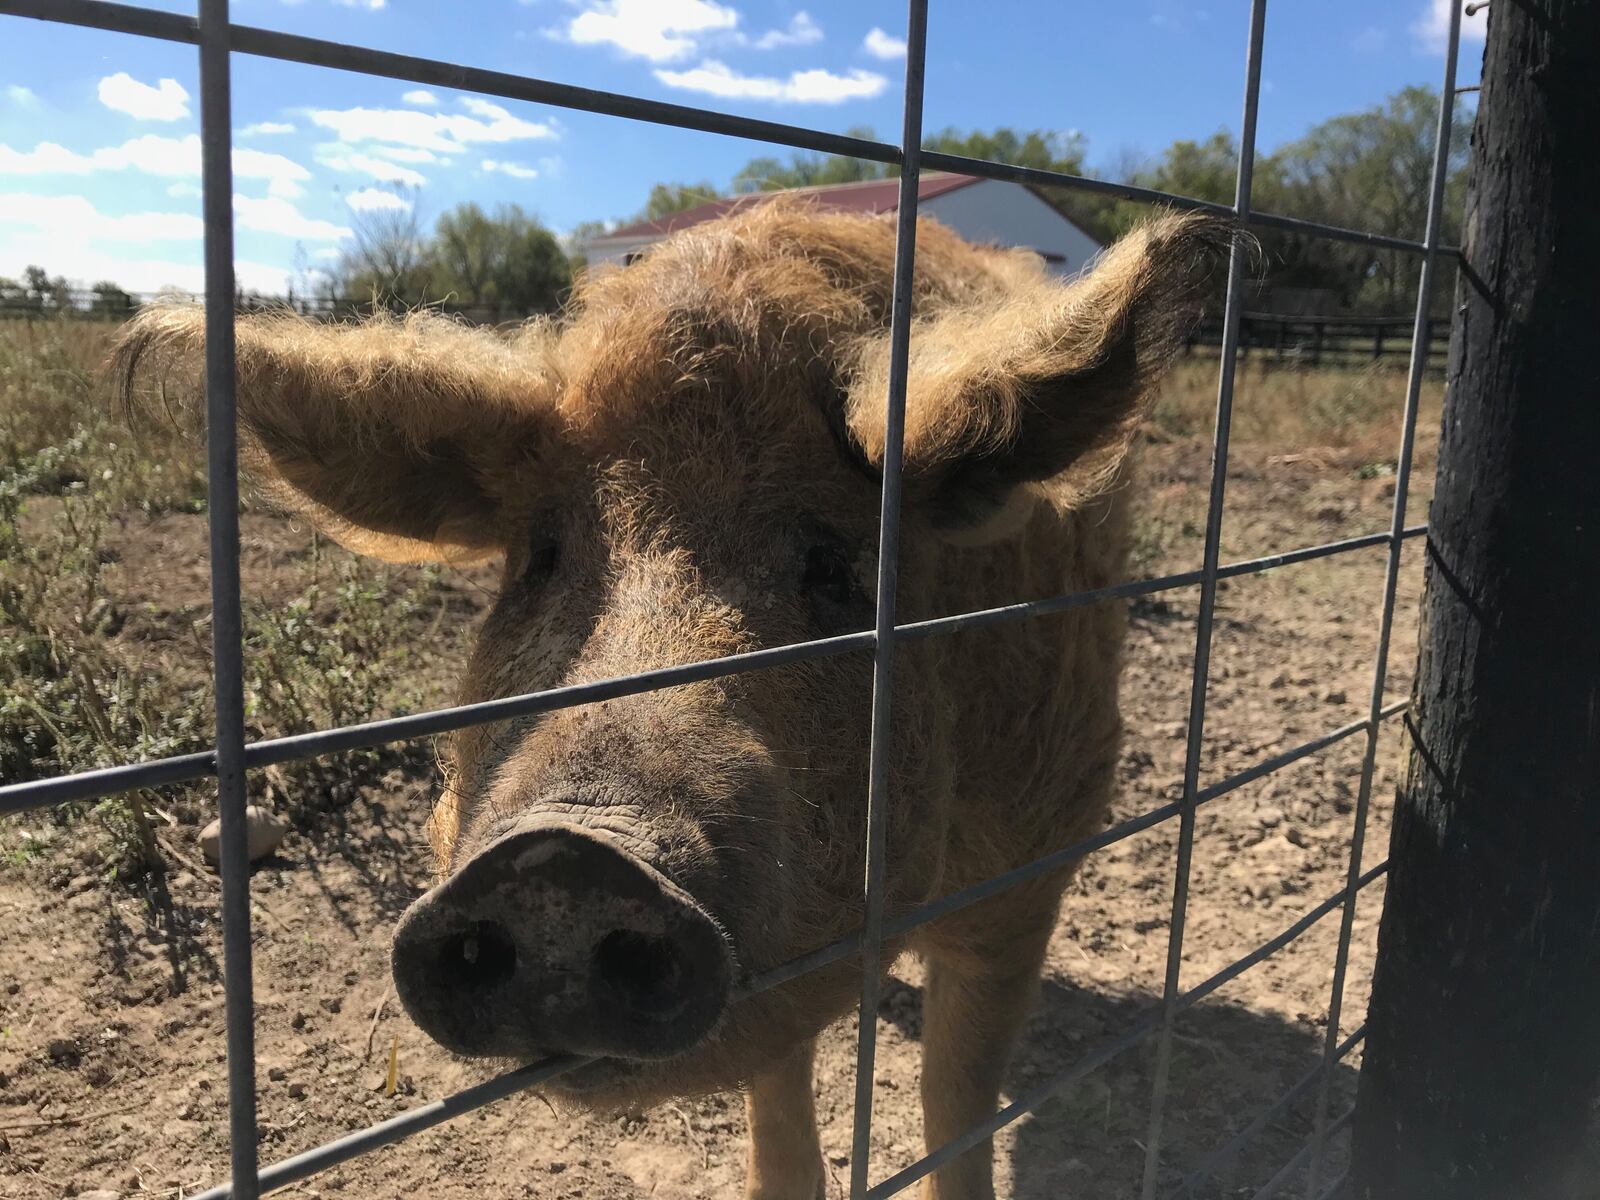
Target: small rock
x,y
297,1090
333,1004
264,832
298,1021
1334,695
13,988
1269,817
97,1074
277,1074
555,1166
1295,837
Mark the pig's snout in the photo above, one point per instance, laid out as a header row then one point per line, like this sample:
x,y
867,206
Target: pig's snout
x,y
554,940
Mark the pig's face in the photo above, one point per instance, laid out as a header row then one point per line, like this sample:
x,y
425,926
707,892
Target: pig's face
x,y
687,470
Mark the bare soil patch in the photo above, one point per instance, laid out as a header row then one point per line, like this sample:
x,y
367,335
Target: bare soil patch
x,y
112,1073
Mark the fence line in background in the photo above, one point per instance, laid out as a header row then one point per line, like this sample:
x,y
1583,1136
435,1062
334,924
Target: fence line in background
x,y
218,40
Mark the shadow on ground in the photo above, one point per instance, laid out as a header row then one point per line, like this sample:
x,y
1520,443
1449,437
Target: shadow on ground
x,y
1087,1141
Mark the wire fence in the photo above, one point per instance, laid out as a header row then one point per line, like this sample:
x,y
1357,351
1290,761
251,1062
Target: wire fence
x,y
218,40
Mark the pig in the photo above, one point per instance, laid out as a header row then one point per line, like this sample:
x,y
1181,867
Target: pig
x,y
686,465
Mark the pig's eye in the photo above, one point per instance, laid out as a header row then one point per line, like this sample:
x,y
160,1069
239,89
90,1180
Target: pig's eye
x,y
828,579
543,556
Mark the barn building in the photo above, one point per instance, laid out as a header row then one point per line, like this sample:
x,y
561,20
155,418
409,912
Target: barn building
x,y
990,211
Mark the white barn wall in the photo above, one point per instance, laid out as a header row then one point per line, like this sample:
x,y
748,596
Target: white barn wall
x,y
604,250
1008,214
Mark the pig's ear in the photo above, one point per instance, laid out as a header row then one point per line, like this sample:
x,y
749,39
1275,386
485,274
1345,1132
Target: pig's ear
x,y
394,436
1047,383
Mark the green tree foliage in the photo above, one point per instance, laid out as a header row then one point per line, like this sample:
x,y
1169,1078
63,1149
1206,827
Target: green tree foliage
x,y
1369,170
668,198
106,299
507,262
498,265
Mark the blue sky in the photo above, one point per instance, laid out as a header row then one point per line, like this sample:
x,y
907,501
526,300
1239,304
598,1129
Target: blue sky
x,y
99,157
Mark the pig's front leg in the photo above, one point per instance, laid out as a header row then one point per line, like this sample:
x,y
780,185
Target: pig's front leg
x,y
785,1154
983,974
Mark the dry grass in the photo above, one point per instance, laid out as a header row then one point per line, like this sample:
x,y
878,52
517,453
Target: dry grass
x,y
93,673
1350,413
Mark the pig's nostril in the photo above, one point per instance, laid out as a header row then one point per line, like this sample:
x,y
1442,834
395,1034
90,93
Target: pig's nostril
x,y
482,955
646,974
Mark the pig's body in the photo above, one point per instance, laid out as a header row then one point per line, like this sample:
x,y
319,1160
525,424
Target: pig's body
x,y
687,468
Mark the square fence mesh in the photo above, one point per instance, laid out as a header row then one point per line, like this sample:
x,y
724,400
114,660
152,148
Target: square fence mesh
x,y
218,40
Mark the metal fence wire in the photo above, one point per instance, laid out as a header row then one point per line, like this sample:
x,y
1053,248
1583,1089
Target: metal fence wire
x,y
218,40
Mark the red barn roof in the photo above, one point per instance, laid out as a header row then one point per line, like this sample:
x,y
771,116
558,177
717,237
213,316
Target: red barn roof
x,y
867,196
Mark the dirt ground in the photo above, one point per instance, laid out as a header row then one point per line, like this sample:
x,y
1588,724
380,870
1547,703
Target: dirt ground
x,y
112,1072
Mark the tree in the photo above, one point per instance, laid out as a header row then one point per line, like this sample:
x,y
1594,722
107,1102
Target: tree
x,y
109,300
668,198
42,293
1369,171
1482,1062
576,242
500,264
388,263
507,262
805,169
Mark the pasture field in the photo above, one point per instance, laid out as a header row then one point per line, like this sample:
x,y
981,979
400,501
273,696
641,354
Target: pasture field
x,y
112,1076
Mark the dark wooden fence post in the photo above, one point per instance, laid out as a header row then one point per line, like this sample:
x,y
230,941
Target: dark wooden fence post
x,y
1483,1052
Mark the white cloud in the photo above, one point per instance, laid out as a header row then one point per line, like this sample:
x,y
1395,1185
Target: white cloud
x,y
801,31
274,215
152,154
283,175
658,30
515,170
1432,27
266,129
445,133
881,45
421,97
77,217
376,199
328,254
802,87
167,101
406,154
22,97
369,5
344,158
70,236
